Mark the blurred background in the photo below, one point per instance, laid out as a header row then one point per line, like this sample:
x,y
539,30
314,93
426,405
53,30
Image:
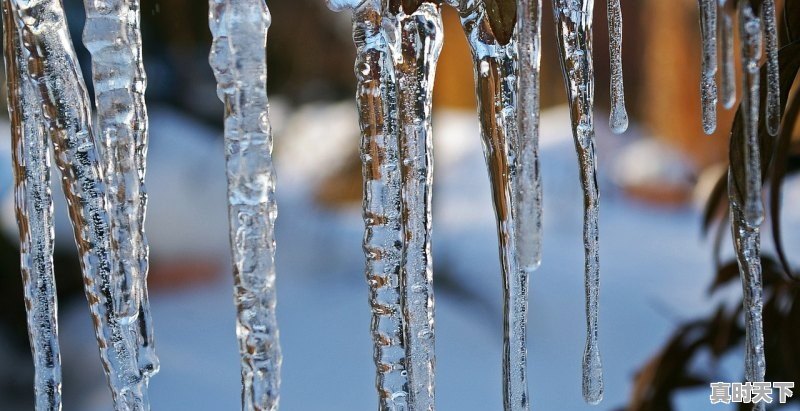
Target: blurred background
x,y
656,265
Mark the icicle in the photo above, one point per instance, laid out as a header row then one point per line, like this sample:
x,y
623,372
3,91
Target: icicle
x,y
574,27
113,37
619,116
773,109
515,192
528,190
50,62
238,58
415,41
750,33
34,210
383,235
747,244
708,82
728,74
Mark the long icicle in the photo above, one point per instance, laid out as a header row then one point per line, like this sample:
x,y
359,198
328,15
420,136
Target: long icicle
x,y
496,70
574,28
415,36
383,230
34,211
43,31
727,11
747,217
619,115
708,82
238,58
747,241
773,108
113,37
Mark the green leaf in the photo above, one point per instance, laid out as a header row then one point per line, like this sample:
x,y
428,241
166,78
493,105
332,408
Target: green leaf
x,y
502,16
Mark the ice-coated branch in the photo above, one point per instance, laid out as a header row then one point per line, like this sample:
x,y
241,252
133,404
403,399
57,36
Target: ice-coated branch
x,y
113,37
773,108
238,58
42,29
574,29
34,211
415,41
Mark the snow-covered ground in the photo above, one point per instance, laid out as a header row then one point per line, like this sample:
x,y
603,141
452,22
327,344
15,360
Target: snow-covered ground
x,y
654,272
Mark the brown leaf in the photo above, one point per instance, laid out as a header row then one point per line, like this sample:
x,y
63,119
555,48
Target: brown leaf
x,y
502,16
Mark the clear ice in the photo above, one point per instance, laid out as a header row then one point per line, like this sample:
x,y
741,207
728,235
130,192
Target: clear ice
x,y
238,59
47,61
727,13
773,108
708,82
574,29
619,115
515,184
34,211
376,97
113,37
415,41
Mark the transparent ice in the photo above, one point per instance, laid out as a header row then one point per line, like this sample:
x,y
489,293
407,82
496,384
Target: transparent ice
x,y
238,58
415,41
376,97
619,115
727,17
34,211
574,30
773,108
46,60
113,37
708,82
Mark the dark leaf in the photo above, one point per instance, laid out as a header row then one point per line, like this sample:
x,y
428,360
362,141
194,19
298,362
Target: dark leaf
x,y
789,59
791,20
725,274
717,202
779,170
502,16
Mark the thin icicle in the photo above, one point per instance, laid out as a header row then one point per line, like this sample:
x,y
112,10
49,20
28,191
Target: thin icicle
x,y
528,185
747,244
708,81
415,41
383,235
750,34
496,69
43,31
574,27
619,115
727,90
238,58
773,109
113,37
34,211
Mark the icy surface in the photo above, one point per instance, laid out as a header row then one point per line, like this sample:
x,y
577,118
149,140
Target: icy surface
x,y
528,185
238,58
383,235
574,28
43,30
708,82
113,37
34,214
619,115
750,33
415,42
727,17
773,108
